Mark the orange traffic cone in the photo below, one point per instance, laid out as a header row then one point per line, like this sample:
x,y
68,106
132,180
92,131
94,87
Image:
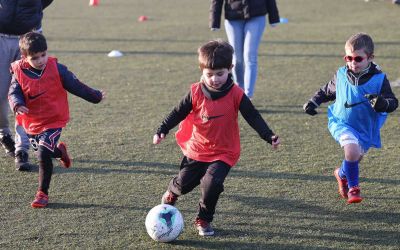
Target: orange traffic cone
x,y
93,2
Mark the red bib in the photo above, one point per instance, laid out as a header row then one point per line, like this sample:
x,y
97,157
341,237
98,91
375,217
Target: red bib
x,y
45,98
211,131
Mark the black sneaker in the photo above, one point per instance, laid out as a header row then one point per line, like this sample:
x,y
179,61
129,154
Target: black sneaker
x,y
21,161
8,144
169,198
204,227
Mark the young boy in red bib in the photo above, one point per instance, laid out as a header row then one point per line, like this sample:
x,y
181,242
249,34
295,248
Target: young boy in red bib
x,y
38,96
208,133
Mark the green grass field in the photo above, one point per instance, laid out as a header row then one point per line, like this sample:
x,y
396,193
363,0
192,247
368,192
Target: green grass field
x,y
285,199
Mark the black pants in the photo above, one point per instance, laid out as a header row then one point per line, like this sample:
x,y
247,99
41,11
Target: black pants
x,y
45,147
210,176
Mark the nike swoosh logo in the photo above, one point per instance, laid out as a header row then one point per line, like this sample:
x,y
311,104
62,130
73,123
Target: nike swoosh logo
x,y
31,97
207,118
347,105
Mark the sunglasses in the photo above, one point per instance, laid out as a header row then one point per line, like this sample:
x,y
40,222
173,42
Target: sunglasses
x,y
356,58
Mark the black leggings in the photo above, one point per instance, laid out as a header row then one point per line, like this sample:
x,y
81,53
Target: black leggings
x,y
210,176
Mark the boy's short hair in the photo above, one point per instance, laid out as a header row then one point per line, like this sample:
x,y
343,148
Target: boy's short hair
x,y
361,41
31,43
216,54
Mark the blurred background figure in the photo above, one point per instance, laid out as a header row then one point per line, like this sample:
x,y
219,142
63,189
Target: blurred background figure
x,y
244,25
16,19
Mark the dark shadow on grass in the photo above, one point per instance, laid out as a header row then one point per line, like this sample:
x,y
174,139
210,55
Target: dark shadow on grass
x,y
57,205
289,206
208,243
129,167
305,177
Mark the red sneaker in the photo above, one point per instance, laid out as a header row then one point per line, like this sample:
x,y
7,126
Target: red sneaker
x,y
169,198
342,184
41,200
65,160
354,195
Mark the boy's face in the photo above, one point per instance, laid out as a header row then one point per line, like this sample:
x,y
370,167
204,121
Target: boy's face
x,y
215,78
37,60
357,60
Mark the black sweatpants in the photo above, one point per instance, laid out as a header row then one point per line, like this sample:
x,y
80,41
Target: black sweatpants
x,y
210,176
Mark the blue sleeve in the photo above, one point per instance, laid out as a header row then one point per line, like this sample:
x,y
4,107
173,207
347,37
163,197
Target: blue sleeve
x,y
15,95
72,84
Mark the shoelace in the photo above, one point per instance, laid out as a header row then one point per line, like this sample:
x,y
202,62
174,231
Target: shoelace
x,y
201,223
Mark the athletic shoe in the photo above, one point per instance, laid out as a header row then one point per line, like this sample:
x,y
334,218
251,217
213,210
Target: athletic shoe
x,y
342,184
354,195
21,161
396,1
169,198
204,227
8,144
41,200
65,160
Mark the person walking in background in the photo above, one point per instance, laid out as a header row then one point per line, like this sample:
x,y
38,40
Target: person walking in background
x,y
38,96
16,19
244,24
363,97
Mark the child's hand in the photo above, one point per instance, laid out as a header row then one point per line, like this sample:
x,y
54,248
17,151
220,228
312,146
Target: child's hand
x,y
309,107
103,94
378,103
158,138
21,110
275,141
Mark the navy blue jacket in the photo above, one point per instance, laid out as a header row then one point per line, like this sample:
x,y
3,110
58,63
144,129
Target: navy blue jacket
x,y
18,17
70,82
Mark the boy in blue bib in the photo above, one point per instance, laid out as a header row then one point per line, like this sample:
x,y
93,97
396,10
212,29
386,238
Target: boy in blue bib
x,y
363,97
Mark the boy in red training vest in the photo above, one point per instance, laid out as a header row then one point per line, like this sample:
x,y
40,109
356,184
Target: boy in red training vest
x,y
38,96
209,132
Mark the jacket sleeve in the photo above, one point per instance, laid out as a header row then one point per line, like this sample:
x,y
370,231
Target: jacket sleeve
x,y
177,115
326,93
46,3
72,84
273,13
15,95
215,13
387,93
254,119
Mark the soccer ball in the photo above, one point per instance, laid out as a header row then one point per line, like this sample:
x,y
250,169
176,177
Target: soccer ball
x,y
164,223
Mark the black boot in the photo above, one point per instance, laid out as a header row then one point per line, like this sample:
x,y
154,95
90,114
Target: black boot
x,y
21,161
8,144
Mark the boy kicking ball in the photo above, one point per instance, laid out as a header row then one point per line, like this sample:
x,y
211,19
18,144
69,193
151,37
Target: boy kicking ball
x,y
363,97
208,132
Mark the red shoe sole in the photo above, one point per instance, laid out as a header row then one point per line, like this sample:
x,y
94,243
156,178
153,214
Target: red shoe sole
x,y
34,205
354,200
341,188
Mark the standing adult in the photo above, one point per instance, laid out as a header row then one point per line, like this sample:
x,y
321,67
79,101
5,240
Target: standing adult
x,y
244,24
17,17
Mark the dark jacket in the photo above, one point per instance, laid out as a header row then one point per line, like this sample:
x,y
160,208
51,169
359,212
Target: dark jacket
x,y
18,17
246,108
70,83
328,91
241,10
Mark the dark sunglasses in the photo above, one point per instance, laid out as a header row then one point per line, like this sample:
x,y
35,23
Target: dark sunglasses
x,y
356,58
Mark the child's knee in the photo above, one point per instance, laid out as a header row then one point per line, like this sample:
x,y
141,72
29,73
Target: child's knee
x,y
44,154
352,152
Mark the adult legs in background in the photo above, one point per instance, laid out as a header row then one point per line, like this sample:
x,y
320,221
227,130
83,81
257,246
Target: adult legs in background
x,y
9,52
245,37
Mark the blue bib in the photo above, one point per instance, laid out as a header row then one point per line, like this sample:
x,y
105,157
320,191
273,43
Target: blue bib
x,y
360,119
